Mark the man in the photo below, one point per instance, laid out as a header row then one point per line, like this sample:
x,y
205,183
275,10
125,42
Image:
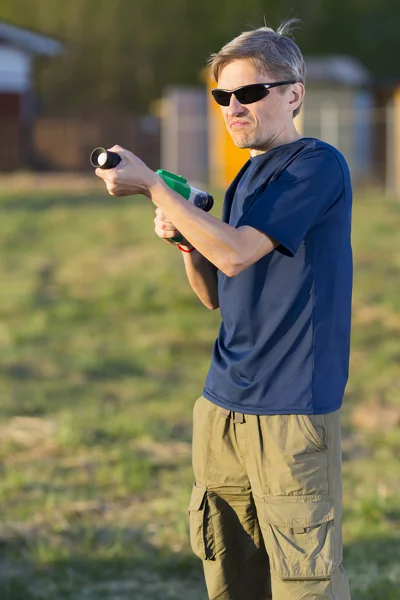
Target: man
x,y
266,503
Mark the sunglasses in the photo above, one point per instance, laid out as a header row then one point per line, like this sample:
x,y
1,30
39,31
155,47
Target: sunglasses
x,y
247,94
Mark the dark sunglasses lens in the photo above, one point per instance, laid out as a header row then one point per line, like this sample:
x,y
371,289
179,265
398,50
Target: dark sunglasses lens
x,y
246,95
221,97
251,93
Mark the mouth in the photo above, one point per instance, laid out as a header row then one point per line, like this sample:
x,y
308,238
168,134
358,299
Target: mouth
x,y
238,124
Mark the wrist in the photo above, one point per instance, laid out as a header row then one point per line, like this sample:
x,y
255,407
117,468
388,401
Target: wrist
x,y
186,247
156,185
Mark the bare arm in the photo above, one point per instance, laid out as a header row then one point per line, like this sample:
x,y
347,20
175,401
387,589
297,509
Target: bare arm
x,y
202,274
230,249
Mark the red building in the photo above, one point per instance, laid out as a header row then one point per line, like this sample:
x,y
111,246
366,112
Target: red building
x,y
18,48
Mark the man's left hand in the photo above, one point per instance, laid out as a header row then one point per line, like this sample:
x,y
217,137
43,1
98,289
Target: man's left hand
x,y
131,176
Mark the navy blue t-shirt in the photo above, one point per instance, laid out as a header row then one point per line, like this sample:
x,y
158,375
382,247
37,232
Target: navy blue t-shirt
x,y
283,344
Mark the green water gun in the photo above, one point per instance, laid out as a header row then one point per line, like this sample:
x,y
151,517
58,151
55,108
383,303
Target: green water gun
x,y
105,159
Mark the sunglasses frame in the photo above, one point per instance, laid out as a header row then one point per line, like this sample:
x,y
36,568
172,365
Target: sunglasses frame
x,y
266,86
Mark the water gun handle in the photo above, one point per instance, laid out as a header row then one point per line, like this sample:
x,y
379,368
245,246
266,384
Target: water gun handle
x,y
197,197
105,159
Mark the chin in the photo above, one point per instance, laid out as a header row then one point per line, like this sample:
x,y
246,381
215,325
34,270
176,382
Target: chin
x,y
242,143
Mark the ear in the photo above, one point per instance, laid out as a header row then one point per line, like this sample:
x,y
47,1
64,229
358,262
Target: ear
x,y
296,96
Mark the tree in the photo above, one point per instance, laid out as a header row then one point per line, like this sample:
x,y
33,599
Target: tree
x,y
120,54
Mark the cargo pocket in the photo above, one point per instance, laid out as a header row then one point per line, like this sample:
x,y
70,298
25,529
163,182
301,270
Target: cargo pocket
x,y
299,537
314,425
200,524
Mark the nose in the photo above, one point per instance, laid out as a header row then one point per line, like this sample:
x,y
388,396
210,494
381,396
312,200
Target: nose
x,y
235,108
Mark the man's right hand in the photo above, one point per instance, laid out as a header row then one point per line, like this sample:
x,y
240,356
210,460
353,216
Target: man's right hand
x,y
165,229
202,275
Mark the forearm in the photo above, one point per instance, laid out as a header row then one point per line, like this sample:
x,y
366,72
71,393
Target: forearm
x,y
202,276
228,248
218,242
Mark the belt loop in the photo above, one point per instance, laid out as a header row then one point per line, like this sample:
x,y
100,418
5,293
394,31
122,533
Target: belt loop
x,y
238,417
225,413
299,530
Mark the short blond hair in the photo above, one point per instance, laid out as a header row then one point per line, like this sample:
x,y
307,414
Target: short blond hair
x,y
270,51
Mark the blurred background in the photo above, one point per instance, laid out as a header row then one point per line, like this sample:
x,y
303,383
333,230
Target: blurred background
x,y
104,347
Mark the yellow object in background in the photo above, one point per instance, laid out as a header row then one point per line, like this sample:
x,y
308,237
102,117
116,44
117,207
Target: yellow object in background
x,y
225,159
396,140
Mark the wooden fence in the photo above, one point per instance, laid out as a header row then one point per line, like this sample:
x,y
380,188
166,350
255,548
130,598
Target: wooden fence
x,y
65,143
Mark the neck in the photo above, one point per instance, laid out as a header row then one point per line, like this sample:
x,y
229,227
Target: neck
x,y
288,134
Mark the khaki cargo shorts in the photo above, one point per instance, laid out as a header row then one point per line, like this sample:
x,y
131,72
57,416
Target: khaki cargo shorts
x,y
265,511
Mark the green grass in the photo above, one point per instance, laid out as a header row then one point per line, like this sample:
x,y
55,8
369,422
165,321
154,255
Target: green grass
x,y
104,349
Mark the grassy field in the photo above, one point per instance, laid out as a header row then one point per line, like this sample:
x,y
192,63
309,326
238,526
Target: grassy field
x,y
104,349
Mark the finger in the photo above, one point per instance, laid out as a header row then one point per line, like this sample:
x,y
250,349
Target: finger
x,y
164,225
110,188
167,235
117,148
107,175
102,173
165,231
162,216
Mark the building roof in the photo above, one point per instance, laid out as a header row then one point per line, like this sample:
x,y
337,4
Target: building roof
x,y
336,68
28,40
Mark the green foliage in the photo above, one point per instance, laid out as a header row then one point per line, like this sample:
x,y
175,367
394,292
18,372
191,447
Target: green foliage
x,y
104,350
120,55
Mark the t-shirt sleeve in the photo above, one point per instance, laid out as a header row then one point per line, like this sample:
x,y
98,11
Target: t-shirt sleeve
x,y
288,208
